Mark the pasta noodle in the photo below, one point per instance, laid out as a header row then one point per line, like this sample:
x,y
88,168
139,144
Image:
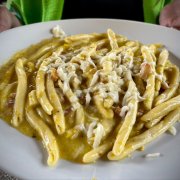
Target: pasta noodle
x,y
58,114
45,133
146,137
18,113
89,95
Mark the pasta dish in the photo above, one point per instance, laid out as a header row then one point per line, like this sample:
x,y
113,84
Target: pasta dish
x,y
89,96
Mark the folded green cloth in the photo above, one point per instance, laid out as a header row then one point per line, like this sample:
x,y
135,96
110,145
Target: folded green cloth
x,y
31,11
152,9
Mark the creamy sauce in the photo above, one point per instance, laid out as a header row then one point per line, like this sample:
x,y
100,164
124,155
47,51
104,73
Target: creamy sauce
x,y
71,149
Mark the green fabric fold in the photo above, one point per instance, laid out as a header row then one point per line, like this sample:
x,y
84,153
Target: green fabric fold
x,y
32,11
152,9
53,10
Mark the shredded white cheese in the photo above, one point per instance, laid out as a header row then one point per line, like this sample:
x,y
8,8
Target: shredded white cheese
x,y
124,110
58,32
75,105
88,98
44,68
84,65
152,155
159,76
99,133
90,129
78,93
163,80
90,61
101,72
140,99
78,151
172,130
94,78
128,75
112,56
126,97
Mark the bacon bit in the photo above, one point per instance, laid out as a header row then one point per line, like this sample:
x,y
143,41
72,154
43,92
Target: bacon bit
x,y
146,70
82,99
67,111
31,86
54,75
104,79
140,112
10,103
117,110
11,100
56,84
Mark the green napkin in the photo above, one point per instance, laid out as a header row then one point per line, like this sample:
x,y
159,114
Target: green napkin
x,y
152,9
32,11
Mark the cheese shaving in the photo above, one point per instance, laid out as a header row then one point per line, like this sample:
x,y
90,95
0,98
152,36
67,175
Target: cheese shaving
x,y
58,32
90,129
124,110
88,98
172,130
152,155
94,79
99,133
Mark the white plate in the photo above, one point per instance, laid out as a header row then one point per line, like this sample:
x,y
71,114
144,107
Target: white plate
x,y
22,156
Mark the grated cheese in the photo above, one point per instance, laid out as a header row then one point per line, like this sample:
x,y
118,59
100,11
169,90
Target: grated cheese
x,y
90,129
112,56
88,98
61,73
152,155
84,65
44,68
58,32
172,130
159,76
75,106
114,95
140,99
73,99
99,133
78,92
94,78
124,110
125,98
90,61
78,151
128,75
113,69
162,78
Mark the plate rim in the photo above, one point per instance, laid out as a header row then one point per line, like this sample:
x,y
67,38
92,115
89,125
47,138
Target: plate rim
x,y
91,19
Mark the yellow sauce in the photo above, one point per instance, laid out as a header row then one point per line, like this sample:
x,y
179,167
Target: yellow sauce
x,y
70,149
